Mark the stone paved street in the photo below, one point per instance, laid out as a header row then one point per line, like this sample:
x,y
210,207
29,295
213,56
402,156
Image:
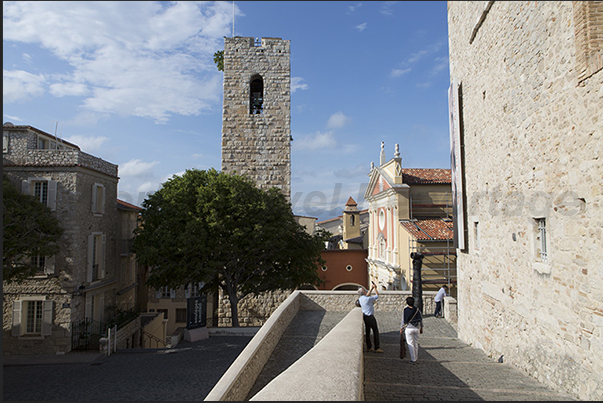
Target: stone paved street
x,y
187,372
447,369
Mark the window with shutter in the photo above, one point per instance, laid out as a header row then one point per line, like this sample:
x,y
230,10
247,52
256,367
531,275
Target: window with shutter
x,y
17,306
98,198
96,256
43,189
47,310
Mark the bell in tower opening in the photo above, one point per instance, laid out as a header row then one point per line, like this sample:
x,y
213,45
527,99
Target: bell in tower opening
x,y
256,90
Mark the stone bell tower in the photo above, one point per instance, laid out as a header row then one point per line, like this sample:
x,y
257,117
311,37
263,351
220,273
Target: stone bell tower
x,y
256,116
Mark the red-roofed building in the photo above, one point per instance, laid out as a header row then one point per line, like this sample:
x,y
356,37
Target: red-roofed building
x,y
410,210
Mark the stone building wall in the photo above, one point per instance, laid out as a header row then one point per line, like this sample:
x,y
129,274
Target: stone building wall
x,y
257,145
531,126
75,173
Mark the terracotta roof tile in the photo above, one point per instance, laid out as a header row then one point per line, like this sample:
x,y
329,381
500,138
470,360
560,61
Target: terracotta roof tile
x,y
417,176
430,230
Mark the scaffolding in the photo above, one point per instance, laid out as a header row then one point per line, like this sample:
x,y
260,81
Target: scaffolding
x,y
439,263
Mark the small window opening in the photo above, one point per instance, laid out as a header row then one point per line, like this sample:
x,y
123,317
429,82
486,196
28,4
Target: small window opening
x,y
256,96
541,239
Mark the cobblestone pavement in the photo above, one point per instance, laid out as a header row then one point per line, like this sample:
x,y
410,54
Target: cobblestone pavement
x,y
447,369
187,372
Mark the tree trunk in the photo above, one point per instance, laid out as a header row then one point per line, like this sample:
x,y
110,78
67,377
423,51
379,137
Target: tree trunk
x,y
234,307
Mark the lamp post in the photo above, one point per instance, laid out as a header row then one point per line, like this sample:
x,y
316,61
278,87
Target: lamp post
x,y
417,286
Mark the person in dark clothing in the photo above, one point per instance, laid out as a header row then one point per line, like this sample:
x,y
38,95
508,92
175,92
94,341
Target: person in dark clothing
x,y
411,326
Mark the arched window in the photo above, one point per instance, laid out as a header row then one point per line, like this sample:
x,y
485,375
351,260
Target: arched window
x,y
353,220
256,95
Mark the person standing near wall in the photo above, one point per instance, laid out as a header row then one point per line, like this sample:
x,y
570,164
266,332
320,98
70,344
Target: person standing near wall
x,y
439,298
368,313
412,325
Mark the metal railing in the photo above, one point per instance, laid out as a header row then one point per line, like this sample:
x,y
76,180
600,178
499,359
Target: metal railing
x,y
150,337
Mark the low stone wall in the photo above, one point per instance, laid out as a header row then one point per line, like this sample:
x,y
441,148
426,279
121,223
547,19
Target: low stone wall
x,y
334,368
240,377
255,309
339,350
125,333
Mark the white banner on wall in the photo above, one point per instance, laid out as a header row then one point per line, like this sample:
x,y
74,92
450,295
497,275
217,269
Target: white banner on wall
x,y
456,165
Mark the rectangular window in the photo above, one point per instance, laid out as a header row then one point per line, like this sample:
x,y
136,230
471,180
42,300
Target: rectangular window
x,y
96,256
39,262
41,191
193,290
42,143
181,315
98,199
33,320
541,248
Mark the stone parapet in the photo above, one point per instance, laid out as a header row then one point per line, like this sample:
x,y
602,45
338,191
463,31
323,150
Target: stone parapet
x,y
60,158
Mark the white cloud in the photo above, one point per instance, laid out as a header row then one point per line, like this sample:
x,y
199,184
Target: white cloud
x,y
441,63
12,118
296,84
317,141
361,27
136,167
87,144
353,8
386,9
18,85
147,187
337,120
27,59
60,90
146,59
398,72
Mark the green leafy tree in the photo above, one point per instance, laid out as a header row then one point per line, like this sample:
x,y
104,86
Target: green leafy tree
x,y
30,230
218,228
219,60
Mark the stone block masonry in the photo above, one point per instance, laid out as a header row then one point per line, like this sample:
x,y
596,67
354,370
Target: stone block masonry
x,y
257,144
531,107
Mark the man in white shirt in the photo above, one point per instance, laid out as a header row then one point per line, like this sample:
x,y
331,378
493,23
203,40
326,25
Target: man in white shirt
x,y
368,313
439,298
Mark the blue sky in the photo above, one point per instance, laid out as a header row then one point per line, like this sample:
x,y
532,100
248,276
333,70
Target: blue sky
x,y
135,83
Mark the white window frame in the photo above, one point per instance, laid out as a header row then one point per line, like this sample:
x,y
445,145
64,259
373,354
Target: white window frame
x,y
165,292
98,199
192,290
47,267
28,187
20,319
97,255
541,245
